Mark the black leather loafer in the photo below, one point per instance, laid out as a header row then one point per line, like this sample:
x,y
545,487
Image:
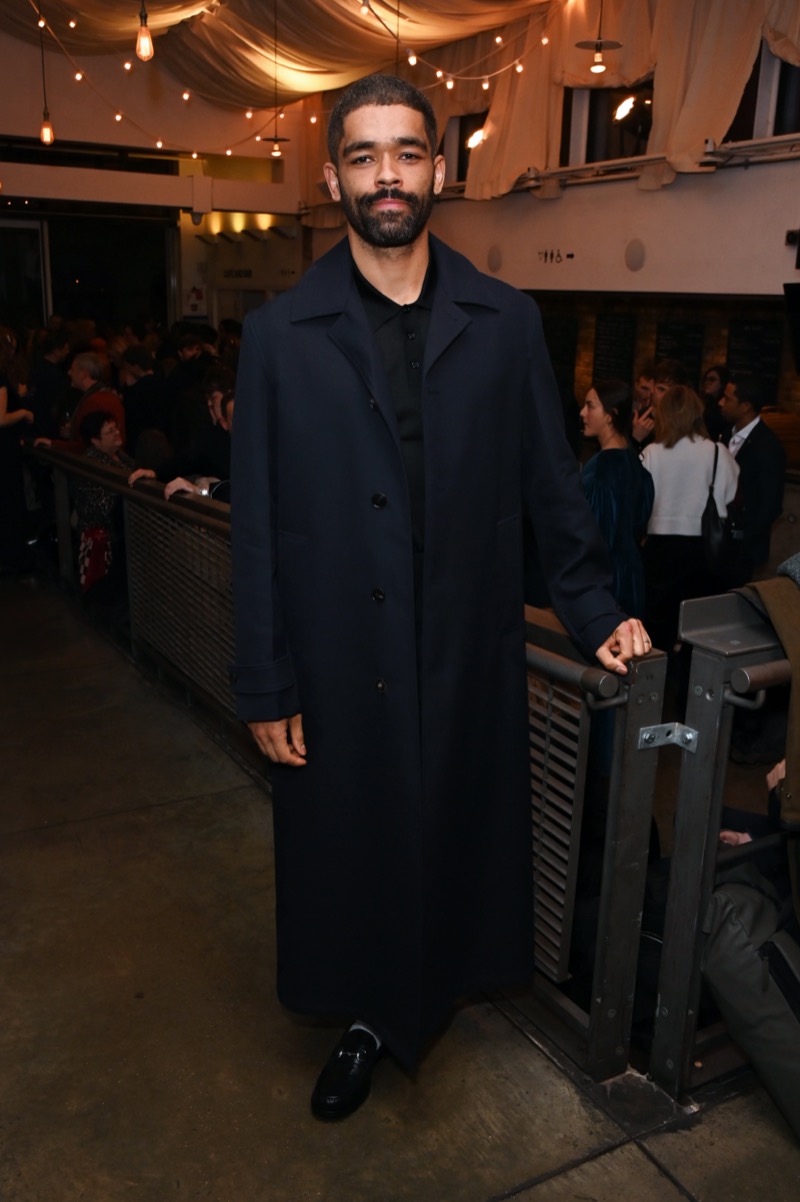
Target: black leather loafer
x,y
345,1080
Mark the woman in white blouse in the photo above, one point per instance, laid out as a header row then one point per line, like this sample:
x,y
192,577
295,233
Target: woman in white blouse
x,y
681,462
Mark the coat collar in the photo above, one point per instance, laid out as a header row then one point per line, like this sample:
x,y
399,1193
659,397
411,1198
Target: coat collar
x,y
327,288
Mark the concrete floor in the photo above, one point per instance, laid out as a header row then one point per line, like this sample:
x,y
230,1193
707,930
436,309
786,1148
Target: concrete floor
x,y
143,1054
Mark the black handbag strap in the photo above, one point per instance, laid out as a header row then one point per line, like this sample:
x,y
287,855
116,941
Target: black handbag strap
x,y
714,473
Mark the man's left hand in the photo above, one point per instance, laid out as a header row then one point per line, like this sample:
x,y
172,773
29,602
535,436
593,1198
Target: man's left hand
x,y
629,639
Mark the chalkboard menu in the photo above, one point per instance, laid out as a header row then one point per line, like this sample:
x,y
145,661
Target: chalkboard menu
x,y
682,340
614,346
757,346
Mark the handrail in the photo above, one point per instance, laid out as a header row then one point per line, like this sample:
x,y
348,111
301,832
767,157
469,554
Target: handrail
x,y
198,511
595,681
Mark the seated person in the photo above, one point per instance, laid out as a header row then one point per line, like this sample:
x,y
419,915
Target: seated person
x,y
100,561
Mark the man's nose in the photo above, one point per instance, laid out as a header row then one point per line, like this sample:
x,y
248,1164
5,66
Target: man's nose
x,y
387,171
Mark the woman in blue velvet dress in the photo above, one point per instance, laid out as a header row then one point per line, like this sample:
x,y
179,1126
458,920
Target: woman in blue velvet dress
x,y
618,489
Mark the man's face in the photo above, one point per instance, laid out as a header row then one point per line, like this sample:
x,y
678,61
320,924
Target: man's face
x,y
386,178
78,377
644,392
730,406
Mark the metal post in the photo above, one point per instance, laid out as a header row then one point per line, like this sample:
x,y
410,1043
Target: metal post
x,y
630,809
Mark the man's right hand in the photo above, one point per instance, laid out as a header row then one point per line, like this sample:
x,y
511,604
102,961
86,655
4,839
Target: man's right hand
x,y
282,741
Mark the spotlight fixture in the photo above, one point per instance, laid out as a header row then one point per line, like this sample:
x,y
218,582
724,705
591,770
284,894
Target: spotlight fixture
x,y
144,38
598,46
46,132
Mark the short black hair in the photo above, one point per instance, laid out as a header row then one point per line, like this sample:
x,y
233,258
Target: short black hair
x,y
749,389
92,424
379,89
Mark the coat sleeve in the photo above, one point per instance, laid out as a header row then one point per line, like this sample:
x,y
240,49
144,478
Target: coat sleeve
x,y
575,561
262,674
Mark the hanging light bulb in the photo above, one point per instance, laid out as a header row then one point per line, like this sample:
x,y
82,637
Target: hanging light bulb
x,y
598,66
46,133
144,39
412,59
365,10
450,83
276,150
485,83
518,67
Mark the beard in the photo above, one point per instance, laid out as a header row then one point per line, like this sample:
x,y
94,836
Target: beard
x,y
386,228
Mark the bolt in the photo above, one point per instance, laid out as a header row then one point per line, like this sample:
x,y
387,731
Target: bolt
x,y
649,737
698,690
688,737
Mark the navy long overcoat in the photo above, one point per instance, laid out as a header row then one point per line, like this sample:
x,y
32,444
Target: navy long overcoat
x,y
403,847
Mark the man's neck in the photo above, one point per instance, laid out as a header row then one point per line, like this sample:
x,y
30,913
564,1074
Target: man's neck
x,y
744,421
396,271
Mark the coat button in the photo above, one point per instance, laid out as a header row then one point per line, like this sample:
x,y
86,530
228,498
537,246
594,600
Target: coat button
x,y
379,500
380,685
373,404
378,595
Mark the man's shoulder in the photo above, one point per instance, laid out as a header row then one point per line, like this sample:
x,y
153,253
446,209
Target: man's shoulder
x,y
466,282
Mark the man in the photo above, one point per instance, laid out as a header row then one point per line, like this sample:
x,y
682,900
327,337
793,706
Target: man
x,y
144,395
48,389
87,375
394,412
642,420
761,459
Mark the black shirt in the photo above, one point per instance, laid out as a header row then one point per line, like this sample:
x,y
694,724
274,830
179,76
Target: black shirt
x,y
401,333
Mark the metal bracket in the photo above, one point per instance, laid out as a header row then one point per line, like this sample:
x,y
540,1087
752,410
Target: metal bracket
x,y
668,733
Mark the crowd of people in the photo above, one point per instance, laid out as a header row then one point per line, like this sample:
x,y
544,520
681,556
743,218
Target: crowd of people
x,y
169,397
156,404
661,445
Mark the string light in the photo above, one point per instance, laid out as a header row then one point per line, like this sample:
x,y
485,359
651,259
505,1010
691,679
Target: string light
x,y
78,76
313,118
185,95
518,67
249,114
126,66
545,40
412,59
365,10
229,152
73,23
450,83
118,116
144,39
485,83
499,39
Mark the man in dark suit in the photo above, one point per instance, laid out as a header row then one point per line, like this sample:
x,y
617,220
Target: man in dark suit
x,y
395,414
761,459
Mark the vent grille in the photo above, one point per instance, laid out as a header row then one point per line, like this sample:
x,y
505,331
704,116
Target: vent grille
x,y
558,726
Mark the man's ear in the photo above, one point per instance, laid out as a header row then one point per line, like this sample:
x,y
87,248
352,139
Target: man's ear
x,y
332,180
438,174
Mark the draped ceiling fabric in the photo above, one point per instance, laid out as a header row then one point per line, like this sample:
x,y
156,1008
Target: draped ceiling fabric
x,y
699,54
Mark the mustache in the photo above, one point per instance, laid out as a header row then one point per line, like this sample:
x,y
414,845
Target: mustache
x,y
387,194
